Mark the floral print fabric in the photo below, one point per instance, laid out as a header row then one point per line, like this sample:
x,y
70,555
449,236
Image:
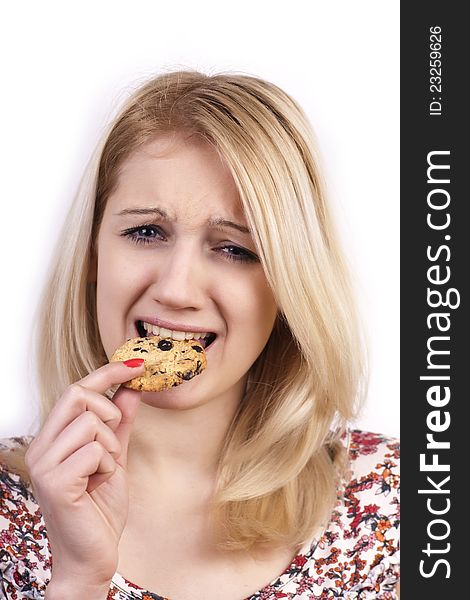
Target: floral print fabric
x,y
356,557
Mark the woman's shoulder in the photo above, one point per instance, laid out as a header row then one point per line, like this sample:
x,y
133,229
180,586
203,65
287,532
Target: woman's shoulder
x,y
358,551
366,448
12,452
12,485
374,473
25,561
356,555
14,442
15,490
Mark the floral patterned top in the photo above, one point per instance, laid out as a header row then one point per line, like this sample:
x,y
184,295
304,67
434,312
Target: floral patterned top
x,y
356,556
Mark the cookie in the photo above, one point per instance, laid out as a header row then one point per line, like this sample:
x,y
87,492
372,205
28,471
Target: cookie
x,y
168,363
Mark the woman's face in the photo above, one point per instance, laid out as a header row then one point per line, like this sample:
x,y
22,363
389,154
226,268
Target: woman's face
x,y
172,250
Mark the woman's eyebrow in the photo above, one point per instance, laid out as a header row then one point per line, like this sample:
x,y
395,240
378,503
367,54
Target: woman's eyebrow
x,y
215,222
144,211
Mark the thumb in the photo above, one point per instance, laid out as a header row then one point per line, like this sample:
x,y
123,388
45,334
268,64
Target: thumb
x,y
128,402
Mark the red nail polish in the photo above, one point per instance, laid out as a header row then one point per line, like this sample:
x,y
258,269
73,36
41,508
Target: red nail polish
x,y
134,362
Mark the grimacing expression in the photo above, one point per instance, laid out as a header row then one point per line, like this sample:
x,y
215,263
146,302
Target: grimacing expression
x,y
174,245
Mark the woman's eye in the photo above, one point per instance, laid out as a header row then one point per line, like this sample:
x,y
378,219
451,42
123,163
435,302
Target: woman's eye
x,y
149,234
238,254
144,234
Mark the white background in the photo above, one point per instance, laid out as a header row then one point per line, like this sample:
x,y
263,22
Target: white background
x,y
68,67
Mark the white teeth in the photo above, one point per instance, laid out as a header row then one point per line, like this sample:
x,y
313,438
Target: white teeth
x,y
174,335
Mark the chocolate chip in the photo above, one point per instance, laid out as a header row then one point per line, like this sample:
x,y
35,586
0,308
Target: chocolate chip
x,y
187,375
165,345
197,348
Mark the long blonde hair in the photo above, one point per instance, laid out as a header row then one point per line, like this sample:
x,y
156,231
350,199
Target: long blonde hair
x,y
281,465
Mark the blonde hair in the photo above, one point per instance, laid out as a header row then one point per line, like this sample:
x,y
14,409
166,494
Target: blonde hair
x,y
281,465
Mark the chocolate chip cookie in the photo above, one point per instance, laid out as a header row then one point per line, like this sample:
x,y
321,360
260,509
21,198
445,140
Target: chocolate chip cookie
x,y
168,363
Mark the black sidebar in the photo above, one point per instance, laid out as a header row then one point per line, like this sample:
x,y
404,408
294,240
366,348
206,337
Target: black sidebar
x,y
434,258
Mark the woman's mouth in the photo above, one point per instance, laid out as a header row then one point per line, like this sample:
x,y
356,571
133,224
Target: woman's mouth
x,y
147,329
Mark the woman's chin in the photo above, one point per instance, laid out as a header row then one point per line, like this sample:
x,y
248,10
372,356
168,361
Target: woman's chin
x,y
181,396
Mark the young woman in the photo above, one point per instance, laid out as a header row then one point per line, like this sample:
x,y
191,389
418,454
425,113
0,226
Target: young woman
x,y
201,214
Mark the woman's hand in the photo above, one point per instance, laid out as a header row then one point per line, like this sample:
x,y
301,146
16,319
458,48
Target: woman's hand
x,y
77,465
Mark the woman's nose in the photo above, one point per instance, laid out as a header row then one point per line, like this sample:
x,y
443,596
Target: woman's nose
x,y
179,281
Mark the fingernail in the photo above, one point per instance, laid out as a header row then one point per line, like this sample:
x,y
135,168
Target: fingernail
x,y
134,362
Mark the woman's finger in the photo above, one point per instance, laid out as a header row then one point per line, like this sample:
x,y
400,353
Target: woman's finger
x,y
86,428
82,396
111,374
74,402
127,401
73,474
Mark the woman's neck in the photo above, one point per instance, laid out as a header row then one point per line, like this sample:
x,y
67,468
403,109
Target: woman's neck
x,y
175,447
